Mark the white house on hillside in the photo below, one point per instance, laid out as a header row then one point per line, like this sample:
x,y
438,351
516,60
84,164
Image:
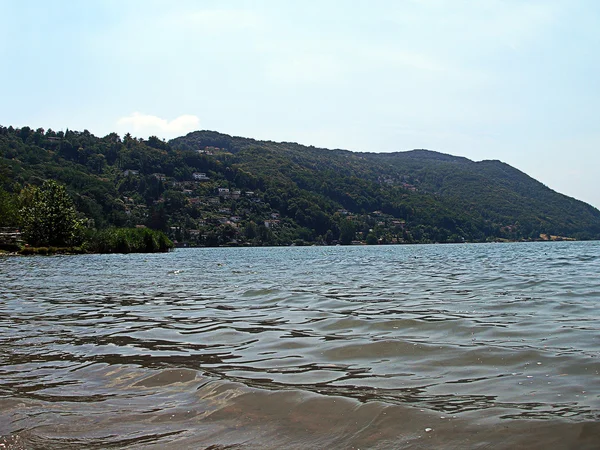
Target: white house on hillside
x,y
199,176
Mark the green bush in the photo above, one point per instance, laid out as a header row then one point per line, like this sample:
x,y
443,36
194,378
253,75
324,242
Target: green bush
x,y
127,240
48,216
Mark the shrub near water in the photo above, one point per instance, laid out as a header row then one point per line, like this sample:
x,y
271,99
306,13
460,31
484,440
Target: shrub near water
x,y
128,240
48,216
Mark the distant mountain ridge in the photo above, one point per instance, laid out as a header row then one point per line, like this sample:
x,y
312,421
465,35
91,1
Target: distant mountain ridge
x,y
497,191
208,188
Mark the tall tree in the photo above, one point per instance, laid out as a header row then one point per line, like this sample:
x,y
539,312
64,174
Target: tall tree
x,y
347,231
8,209
48,216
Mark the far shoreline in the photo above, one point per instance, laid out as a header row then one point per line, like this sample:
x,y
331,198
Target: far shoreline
x,y
74,251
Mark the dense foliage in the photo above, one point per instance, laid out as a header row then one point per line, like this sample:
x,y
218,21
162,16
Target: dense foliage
x,y
8,209
48,216
127,240
212,189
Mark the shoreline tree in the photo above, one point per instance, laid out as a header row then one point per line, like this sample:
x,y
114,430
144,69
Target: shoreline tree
x,y
8,209
48,216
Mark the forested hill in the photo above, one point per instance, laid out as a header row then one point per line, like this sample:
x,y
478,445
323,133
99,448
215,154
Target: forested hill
x,y
208,188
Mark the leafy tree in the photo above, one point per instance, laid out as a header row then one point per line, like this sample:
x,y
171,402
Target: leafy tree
x,y
372,239
48,216
8,209
347,231
96,163
251,230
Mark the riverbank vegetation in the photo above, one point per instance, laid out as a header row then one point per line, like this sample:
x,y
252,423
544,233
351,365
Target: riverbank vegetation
x,y
50,224
127,240
210,189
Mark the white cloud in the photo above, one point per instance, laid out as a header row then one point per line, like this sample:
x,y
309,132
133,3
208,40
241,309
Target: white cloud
x,y
145,123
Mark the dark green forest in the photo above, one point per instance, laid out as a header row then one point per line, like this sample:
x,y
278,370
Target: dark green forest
x,y
211,189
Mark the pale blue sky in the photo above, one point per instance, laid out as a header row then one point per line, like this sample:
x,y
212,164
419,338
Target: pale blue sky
x,y
513,80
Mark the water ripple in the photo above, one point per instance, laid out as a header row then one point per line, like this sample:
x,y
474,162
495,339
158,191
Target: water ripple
x,y
505,332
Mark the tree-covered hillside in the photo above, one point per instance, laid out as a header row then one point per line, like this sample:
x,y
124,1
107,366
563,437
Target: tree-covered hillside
x,y
208,188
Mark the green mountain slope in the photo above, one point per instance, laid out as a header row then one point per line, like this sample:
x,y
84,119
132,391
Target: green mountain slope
x,y
502,194
208,188
420,185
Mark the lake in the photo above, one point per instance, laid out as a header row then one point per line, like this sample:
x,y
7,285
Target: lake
x,y
382,347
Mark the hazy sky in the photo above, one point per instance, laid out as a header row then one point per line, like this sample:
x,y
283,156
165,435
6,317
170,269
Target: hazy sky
x,y
513,80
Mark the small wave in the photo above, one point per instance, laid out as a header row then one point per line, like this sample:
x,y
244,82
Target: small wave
x,y
259,292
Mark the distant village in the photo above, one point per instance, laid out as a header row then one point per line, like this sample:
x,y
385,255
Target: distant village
x,y
239,214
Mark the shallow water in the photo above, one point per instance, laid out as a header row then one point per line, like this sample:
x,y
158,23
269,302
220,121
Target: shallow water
x,y
450,346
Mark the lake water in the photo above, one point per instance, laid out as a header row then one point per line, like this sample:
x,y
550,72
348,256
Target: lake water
x,y
432,346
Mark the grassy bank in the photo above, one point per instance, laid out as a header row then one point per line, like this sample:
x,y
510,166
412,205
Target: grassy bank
x,y
112,240
51,251
127,240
